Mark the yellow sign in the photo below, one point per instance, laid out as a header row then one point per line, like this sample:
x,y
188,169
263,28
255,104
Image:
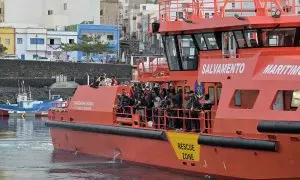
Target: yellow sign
x,y
185,145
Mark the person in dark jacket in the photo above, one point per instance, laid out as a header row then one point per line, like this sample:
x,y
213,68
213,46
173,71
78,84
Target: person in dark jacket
x,y
139,107
207,111
95,82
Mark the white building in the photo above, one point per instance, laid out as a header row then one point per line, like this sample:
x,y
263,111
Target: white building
x,y
54,41
35,43
52,13
133,22
30,43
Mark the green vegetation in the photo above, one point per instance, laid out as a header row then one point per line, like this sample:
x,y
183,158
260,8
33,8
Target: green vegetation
x,y
88,45
2,49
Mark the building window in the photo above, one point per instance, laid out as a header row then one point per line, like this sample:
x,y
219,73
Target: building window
x,y
50,12
206,15
134,18
35,56
37,41
65,6
7,41
110,37
144,7
51,41
71,41
101,12
0,10
19,40
233,5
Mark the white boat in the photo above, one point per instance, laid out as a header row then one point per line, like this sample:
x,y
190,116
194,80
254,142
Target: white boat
x,y
26,107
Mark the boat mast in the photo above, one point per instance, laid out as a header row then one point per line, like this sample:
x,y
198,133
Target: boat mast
x,y
19,86
29,93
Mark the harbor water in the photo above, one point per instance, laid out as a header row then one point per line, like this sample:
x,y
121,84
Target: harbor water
x,y
26,152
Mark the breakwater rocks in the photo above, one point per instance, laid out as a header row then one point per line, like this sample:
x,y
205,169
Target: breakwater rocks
x,y
42,74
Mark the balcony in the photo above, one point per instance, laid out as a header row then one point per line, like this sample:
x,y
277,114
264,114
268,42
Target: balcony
x,y
53,47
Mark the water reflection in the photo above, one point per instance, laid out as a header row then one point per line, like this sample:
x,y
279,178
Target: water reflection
x,y
26,152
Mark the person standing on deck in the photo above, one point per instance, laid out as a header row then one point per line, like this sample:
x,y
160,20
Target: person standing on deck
x,y
157,105
114,81
207,112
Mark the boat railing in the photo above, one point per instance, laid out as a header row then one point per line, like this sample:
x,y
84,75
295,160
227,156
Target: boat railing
x,y
124,115
225,56
179,10
168,119
60,104
154,66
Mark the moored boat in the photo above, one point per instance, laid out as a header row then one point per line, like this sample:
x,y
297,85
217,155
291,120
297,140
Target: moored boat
x,y
26,106
245,67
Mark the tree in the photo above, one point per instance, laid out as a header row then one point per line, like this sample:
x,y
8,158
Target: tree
x,y
88,45
68,48
2,49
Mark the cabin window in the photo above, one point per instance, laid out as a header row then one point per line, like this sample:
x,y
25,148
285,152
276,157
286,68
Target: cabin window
x,y
211,93
187,89
200,41
244,99
240,39
251,38
179,88
210,41
226,37
278,37
171,52
237,98
219,91
295,99
188,52
286,100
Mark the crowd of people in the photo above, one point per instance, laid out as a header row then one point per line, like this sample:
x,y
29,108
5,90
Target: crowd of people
x,y
153,102
102,80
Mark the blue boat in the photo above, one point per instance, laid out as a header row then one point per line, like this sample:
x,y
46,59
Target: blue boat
x,y
26,106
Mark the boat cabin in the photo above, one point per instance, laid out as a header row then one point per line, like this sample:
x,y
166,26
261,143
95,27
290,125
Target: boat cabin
x,y
235,56
218,75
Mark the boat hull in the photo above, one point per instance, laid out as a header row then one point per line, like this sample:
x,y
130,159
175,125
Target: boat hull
x,y
4,112
225,162
23,114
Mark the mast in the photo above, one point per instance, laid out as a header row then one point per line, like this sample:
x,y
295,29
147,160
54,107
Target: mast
x,y
22,87
19,86
29,93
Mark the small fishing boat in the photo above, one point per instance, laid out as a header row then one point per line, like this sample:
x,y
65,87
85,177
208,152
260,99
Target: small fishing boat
x,y
26,106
